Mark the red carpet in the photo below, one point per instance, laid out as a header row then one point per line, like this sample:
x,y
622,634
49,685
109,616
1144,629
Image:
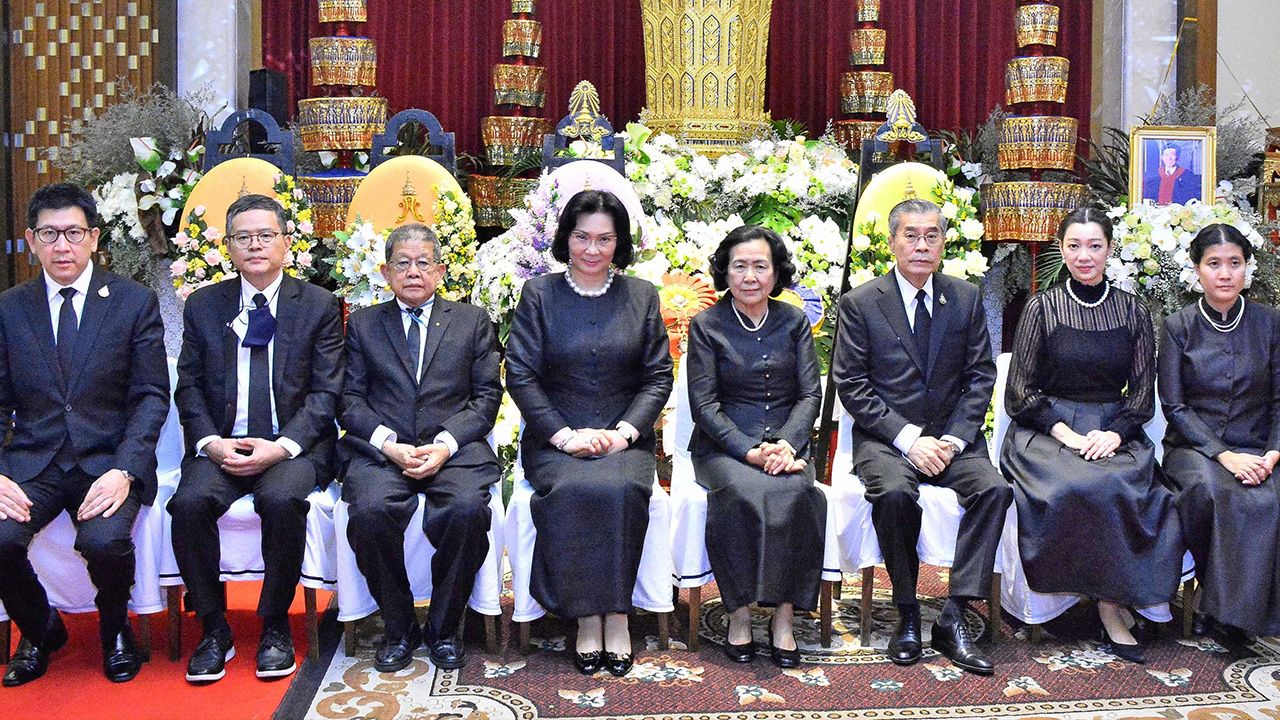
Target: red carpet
x,y
75,688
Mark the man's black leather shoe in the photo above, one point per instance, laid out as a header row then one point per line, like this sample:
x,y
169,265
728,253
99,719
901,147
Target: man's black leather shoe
x,y
955,642
905,647
31,661
209,661
121,660
396,653
447,653
1201,624
275,653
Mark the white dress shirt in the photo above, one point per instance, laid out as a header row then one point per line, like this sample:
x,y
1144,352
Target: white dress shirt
x,y
382,433
240,325
908,435
81,284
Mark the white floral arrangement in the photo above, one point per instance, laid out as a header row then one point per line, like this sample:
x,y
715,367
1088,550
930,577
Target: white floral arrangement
x,y
1151,251
360,253
203,258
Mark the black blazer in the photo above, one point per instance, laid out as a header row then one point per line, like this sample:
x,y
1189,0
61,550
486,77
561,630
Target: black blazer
x,y
306,368
879,372
112,406
460,389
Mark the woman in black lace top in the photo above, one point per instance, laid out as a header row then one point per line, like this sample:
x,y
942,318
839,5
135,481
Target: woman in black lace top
x,y
1092,519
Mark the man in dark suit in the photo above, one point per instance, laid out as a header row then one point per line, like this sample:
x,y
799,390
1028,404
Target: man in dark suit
x,y
83,371
258,383
421,394
913,368
1171,182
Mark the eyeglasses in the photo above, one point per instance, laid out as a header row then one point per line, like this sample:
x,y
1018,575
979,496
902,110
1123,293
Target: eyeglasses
x,y
264,238
585,241
932,239
49,235
402,265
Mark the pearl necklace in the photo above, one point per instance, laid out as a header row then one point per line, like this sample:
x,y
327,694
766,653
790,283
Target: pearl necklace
x,y
743,322
568,276
1106,290
1222,327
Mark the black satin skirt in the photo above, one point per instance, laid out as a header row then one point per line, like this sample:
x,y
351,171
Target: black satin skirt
x,y
1233,531
765,533
1106,528
591,517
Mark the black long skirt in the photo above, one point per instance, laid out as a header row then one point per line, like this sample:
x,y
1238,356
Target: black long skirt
x,y
591,517
1105,528
1233,531
764,533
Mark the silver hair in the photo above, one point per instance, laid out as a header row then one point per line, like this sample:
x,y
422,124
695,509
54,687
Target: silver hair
x,y
915,206
414,232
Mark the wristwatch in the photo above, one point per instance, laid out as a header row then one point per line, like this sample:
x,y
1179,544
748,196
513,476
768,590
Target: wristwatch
x,y
128,476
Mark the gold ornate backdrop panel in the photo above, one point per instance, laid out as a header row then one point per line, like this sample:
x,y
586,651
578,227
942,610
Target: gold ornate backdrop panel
x,y
68,60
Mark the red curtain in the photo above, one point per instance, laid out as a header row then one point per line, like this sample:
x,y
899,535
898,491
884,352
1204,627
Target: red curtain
x,y
948,54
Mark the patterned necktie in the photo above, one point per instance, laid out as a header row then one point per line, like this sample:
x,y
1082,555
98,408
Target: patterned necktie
x,y
921,328
68,328
259,369
415,340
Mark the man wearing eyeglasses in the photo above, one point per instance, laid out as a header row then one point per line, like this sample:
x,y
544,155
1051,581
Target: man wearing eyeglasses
x,y
913,368
83,376
421,394
258,383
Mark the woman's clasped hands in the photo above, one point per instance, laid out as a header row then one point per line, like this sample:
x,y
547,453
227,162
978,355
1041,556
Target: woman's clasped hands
x,y
775,458
594,443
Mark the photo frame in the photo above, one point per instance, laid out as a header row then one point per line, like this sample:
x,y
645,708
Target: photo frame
x,y
1169,164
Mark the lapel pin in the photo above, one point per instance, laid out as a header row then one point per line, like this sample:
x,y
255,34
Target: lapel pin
x,y
103,291
942,299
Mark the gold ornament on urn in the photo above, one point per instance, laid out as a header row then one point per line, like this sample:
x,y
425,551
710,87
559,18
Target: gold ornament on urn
x,y
705,70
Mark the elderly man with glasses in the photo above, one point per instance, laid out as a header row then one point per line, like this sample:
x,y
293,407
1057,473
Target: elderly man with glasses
x,y
258,383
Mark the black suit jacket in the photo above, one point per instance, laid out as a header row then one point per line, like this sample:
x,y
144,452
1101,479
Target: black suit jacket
x,y
460,389
111,407
306,367
880,375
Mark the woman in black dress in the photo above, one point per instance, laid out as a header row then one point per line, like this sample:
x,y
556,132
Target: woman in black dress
x,y
1220,387
589,367
1092,519
754,396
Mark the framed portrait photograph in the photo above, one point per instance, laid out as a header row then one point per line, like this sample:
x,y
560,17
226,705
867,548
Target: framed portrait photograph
x,y
1172,164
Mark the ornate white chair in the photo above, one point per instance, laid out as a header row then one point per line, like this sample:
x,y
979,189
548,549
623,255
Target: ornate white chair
x,y
355,601
689,524
859,546
63,572
1017,598
652,591
240,534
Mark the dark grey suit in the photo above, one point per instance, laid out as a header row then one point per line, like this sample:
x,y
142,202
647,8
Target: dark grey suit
x,y
67,431
459,393
880,377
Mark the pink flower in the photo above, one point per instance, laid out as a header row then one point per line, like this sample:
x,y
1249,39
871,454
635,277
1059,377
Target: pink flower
x,y
178,268
213,233
303,259
305,227
213,257
181,240
184,292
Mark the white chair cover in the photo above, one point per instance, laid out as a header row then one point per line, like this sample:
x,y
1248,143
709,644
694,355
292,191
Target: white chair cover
x,y
652,591
689,506
62,570
354,599
1016,597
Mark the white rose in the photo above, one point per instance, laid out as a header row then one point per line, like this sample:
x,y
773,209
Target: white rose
x,y
860,242
860,276
950,210
971,229
955,267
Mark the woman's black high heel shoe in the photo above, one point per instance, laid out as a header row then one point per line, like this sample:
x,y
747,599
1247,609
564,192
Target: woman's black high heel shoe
x,y
588,663
618,664
783,658
1131,652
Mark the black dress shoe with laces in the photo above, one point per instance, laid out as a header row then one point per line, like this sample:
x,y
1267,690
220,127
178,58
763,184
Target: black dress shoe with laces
x,y
32,660
209,661
275,653
447,653
618,664
121,660
396,653
955,642
905,647
589,663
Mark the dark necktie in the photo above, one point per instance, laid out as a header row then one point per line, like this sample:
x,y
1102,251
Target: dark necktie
x,y
415,340
68,328
259,368
921,327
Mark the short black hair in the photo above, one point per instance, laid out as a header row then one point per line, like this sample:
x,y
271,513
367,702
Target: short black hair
x,y
414,232
589,202
59,196
784,270
245,203
1084,216
1218,234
